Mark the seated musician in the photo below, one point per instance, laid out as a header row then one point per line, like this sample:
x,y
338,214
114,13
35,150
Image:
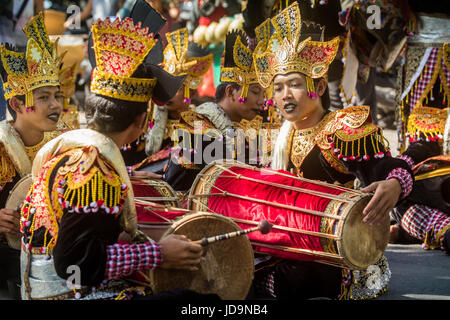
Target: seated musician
x,y
35,102
239,99
81,198
181,57
318,144
424,216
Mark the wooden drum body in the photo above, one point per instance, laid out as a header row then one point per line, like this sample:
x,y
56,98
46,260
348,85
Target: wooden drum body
x,y
228,267
154,221
312,220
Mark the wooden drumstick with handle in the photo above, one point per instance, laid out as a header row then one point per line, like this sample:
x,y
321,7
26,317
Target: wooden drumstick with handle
x,y
264,227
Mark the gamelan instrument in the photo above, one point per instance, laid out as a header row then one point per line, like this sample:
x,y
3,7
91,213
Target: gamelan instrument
x,y
228,267
153,220
312,220
15,200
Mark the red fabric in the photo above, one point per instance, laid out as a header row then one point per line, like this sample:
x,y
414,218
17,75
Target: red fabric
x,y
215,16
141,189
207,87
248,210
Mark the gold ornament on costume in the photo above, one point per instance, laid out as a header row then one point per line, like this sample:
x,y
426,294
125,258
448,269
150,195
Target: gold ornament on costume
x,y
179,61
238,62
120,47
284,53
35,68
67,78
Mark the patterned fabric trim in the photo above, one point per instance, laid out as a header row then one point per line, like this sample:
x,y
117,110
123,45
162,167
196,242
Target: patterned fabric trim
x,y
408,160
426,224
405,179
124,259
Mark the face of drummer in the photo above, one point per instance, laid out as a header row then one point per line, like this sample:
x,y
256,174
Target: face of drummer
x,y
251,106
44,114
177,105
291,97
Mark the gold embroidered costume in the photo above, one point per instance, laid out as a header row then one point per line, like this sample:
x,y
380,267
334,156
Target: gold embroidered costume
x,y
343,145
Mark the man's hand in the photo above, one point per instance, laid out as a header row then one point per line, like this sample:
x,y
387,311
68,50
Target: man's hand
x,y
9,221
145,175
386,195
178,252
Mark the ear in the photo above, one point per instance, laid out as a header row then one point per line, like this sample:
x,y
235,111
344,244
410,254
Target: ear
x,y
230,92
321,87
16,104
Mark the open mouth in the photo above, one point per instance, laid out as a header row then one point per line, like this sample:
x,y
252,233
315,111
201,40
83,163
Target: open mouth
x,y
289,107
54,116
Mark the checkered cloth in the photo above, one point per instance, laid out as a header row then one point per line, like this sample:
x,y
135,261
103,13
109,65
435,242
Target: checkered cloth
x,y
426,224
407,159
124,259
404,178
425,78
427,75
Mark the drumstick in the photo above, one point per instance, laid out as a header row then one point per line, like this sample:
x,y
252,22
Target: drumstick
x,y
264,227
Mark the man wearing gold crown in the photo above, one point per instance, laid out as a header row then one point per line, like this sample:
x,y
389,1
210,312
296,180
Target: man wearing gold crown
x,y
81,198
35,103
181,57
321,145
239,100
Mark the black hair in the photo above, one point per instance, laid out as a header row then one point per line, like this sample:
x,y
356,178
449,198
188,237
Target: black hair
x,y
107,114
220,90
325,98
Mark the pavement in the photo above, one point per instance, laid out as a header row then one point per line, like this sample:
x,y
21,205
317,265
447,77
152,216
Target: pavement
x,y
417,274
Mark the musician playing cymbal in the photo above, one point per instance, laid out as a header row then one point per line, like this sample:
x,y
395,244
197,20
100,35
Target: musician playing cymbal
x,y
81,198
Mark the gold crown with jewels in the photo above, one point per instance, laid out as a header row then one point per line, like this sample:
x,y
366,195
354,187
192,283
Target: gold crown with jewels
x,y
282,52
37,67
120,47
179,60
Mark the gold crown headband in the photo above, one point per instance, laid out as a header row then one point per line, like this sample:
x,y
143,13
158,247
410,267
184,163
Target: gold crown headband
x,y
177,63
283,53
240,69
120,47
67,78
35,68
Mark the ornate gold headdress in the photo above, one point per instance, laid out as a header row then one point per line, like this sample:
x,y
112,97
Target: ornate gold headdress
x,y
120,47
35,68
183,57
238,62
67,78
283,52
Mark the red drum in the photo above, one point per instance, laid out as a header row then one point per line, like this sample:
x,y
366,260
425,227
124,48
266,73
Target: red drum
x,y
152,198
312,220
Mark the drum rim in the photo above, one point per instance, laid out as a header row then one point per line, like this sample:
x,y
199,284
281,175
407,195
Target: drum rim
x,y
198,177
13,241
165,184
340,243
198,214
